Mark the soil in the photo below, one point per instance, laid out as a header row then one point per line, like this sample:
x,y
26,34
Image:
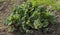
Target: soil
x,y
5,10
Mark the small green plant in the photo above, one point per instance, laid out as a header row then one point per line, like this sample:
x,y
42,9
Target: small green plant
x,y
30,16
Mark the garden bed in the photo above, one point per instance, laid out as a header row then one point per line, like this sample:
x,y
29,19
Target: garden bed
x,y
5,11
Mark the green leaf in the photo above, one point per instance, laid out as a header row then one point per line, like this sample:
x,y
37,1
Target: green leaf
x,y
45,23
11,29
37,24
6,22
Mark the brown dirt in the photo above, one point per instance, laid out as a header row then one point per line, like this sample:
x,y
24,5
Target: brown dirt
x,y
5,10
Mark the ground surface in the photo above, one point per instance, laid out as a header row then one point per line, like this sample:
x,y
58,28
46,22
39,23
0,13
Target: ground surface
x,y
6,9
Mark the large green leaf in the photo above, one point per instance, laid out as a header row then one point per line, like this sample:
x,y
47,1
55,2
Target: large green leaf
x,y
37,24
